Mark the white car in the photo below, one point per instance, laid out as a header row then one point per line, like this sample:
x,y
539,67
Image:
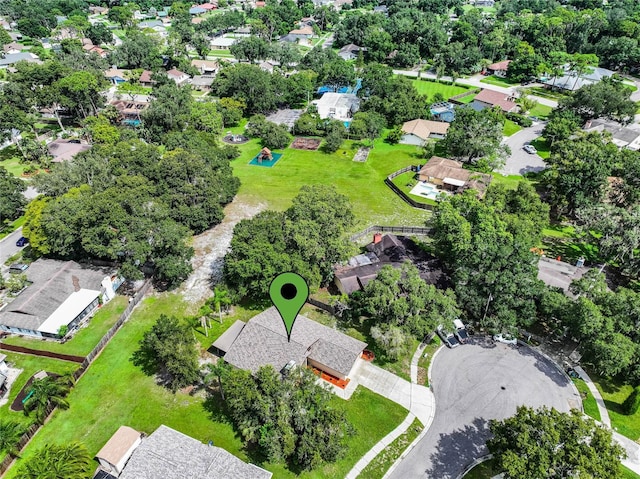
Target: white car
x,y
505,338
530,149
460,332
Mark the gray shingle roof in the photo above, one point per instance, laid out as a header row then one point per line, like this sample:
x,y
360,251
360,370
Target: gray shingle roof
x,y
264,341
169,454
52,283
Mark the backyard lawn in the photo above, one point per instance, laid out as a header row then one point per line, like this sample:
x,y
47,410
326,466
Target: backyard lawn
x,y
430,88
10,161
104,399
84,340
373,202
541,111
497,81
542,146
406,181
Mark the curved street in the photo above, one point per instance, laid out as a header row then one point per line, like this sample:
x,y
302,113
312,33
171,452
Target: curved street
x,y
473,384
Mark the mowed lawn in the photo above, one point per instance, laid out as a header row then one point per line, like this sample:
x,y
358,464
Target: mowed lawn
x,y
430,88
614,393
114,392
84,340
363,183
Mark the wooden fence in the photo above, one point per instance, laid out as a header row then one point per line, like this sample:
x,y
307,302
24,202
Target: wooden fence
x,y
4,465
406,230
388,181
324,306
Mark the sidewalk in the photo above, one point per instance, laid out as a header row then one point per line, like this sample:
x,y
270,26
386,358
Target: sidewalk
x,y
419,400
604,414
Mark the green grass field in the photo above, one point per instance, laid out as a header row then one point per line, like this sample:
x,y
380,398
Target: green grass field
x,y
406,181
541,111
10,161
84,340
383,461
430,88
114,392
373,202
510,128
427,356
614,393
588,401
542,146
497,81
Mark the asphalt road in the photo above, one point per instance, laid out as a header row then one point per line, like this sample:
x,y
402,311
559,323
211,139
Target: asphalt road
x,y
472,384
521,162
8,245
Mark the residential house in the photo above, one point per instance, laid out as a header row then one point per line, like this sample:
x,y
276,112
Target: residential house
x,y
179,77
197,20
222,43
263,341
622,136
150,24
209,6
116,76
197,10
350,51
167,453
484,3
266,66
11,59
571,81
130,110
3,363
4,23
98,10
13,47
339,3
386,250
65,150
145,78
260,4
491,98
301,34
443,111
499,69
416,132
451,176
60,293
95,49
116,452
202,82
206,67
339,106
242,32
382,9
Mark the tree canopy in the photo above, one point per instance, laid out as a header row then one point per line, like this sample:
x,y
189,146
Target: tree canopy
x,y
12,201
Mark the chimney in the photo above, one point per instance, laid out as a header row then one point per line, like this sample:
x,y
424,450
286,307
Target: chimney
x,y
76,283
377,238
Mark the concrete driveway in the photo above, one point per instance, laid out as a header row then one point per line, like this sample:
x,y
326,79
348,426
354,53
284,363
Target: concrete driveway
x,y
473,384
521,162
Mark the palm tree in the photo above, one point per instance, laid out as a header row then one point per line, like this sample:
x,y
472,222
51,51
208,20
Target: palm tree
x,y
216,371
67,461
221,298
45,392
10,434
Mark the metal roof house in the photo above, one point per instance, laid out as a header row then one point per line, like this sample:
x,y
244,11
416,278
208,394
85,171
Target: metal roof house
x,y
263,341
338,106
169,454
60,293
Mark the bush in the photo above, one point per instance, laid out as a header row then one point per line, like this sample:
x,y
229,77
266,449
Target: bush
x,y
632,403
519,119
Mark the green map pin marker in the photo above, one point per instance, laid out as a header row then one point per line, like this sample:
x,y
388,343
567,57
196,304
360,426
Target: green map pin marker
x,y
289,292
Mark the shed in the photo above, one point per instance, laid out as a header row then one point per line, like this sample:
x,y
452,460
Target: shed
x,y
116,452
224,342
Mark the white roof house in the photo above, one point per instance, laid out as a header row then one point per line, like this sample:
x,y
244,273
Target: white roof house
x,y
223,43
339,106
570,81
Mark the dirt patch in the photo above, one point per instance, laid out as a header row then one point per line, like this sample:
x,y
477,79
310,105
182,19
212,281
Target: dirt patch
x,y
210,248
362,154
306,144
422,376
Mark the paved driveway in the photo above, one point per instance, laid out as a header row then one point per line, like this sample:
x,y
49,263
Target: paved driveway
x,y
472,384
521,162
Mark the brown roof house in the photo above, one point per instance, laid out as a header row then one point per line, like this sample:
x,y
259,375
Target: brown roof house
x,y
451,176
416,132
206,67
169,454
145,79
386,250
490,98
499,69
177,76
263,341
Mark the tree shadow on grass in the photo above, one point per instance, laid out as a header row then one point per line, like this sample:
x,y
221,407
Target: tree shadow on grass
x,y
454,451
614,407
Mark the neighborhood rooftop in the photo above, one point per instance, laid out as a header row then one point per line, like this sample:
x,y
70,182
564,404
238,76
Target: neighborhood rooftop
x,y
263,341
169,454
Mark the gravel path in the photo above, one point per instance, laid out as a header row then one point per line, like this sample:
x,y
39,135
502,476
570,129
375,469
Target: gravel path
x,y
210,248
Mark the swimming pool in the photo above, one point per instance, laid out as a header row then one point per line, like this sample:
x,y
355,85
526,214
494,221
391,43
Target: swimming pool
x,y
425,190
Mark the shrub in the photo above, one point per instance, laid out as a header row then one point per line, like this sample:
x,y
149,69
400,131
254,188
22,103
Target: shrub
x,y
519,119
632,403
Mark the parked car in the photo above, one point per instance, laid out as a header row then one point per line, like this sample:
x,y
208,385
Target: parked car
x,y
530,149
448,338
17,268
22,242
461,332
505,338
573,374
